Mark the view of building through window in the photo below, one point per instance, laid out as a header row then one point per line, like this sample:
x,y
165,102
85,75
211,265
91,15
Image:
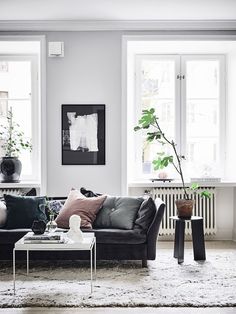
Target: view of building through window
x,y
15,93
185,92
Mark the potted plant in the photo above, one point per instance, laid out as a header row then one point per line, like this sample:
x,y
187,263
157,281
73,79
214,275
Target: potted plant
x,y
12,142
149,122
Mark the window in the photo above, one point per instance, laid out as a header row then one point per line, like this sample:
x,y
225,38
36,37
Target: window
x,y
187,92
19,91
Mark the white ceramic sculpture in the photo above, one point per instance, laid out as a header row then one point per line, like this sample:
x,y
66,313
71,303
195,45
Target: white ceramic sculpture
x,y
75,234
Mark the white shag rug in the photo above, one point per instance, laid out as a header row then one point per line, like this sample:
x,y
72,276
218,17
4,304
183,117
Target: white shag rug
x,y
163,283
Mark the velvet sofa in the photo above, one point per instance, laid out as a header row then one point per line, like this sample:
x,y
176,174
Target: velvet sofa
x,y
138,243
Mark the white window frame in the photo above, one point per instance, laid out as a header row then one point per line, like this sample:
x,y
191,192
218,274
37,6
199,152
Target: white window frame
x,y
35,112
180,104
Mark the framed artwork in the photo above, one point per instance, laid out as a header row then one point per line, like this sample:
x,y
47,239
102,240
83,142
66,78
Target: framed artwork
x,y
83,134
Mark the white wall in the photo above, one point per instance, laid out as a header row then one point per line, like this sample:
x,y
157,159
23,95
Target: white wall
x,y
90,73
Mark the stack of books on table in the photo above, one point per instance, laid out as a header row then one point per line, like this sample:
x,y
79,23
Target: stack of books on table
x,y
43,238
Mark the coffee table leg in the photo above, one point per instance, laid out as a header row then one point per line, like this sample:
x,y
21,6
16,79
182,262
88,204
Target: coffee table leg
x,y
14,272
95,259
91,269
181,241
27,261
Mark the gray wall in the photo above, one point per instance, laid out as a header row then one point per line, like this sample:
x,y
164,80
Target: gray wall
x,y
90,73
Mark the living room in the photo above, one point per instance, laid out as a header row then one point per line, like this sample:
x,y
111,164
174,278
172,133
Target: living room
x,y
74,81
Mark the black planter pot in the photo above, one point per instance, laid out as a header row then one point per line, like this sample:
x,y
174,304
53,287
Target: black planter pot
x,y
10,169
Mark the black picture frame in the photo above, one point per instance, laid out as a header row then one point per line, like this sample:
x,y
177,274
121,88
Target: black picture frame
x,y
83,134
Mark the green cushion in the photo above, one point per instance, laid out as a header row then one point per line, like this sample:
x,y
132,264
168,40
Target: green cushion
x,y
23,210
118,212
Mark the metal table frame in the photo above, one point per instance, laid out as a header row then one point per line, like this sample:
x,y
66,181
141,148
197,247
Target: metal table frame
x,y
91,246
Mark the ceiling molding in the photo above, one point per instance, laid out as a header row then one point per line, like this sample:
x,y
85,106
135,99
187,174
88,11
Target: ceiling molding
x,y
121,25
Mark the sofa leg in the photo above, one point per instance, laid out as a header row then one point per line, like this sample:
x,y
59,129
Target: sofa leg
x,y
144,263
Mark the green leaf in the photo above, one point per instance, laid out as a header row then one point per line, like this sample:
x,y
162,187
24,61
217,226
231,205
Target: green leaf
x,y
205,194
194,187
137,128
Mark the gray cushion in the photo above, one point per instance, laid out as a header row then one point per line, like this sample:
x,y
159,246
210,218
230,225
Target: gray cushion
x,y
117,236
145,215
118,212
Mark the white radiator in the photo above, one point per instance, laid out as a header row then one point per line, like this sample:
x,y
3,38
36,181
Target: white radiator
x,y
11,191
203,207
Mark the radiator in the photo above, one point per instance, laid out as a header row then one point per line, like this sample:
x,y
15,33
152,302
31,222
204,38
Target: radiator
x,y
203,207
12,191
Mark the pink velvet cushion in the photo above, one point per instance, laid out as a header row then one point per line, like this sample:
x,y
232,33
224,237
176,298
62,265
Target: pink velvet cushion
x,y
86,208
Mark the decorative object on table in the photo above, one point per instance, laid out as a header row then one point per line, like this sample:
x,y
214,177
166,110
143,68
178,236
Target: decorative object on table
x,y
13,141
52,209
83,134
47,238
51,225
150,121
38,226
75,234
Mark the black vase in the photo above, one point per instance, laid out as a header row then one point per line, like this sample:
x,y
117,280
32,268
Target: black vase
x,y
38,226
10,169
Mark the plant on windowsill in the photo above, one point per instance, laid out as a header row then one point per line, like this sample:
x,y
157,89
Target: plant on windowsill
x,y
150,121
12,141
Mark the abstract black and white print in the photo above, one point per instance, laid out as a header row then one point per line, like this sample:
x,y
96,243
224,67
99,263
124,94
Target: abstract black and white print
x,y
83,134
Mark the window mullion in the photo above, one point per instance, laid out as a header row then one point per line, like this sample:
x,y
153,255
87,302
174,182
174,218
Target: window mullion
x,y
182,126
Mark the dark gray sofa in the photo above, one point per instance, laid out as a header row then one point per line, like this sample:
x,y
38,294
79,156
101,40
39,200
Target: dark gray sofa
x,y
112,244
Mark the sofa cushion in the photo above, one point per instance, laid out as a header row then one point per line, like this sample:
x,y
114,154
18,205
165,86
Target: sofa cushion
x,y
23,210
145,215
117,236
118,212
86,208
3,214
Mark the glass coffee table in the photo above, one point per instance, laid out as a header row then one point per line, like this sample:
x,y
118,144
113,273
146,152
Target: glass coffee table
x,y
88,244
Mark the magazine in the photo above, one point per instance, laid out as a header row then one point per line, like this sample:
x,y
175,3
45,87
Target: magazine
x,y
43,238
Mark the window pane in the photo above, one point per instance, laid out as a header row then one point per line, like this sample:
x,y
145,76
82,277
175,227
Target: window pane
x,y
15,93
15,78
202,113
158,91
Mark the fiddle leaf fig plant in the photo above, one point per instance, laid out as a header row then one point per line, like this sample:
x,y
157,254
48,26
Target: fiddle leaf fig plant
x,y
149,122
12,138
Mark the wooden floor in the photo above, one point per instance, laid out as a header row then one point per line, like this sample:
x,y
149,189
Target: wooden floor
x,y
224,245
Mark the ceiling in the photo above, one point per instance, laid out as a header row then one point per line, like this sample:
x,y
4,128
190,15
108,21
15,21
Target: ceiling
x,y
117,10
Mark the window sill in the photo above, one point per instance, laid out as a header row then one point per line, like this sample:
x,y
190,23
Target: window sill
x,y
176,183
21,184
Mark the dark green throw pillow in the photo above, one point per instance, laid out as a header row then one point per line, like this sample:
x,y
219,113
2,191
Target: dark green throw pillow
x,y
118,212
23,210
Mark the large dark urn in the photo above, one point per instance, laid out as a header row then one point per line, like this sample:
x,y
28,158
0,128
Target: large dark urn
x,y
10,169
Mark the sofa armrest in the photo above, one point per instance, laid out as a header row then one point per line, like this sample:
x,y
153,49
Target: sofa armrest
x,y
153,230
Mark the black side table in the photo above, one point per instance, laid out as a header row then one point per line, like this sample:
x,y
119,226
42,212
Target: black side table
x,y
197,238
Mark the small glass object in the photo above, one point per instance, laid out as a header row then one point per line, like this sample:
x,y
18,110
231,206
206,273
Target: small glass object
x,y
51,225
